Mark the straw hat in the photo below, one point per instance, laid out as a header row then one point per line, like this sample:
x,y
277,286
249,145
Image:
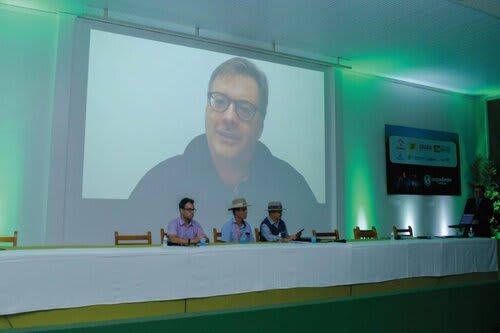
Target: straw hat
x,y
273,206
239,203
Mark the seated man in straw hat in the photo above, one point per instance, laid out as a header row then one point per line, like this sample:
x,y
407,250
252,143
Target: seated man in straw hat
x,y
237,229
273,228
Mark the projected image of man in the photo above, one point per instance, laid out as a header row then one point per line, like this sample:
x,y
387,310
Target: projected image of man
x,y
234,120
229,159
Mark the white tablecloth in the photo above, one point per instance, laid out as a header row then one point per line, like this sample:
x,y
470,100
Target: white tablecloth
x,y
33,280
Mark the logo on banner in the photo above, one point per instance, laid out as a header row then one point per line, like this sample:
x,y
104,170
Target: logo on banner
x,y
427,180
425,147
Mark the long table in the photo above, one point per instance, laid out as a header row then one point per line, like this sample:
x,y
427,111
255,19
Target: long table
x,y
32,280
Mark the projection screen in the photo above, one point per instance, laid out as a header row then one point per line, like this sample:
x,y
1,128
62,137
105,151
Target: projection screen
x,y
142,135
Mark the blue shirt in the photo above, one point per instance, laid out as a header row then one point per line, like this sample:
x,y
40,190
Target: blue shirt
x,y
232,232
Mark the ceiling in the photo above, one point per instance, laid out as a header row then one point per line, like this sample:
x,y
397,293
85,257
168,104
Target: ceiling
x,y
446,44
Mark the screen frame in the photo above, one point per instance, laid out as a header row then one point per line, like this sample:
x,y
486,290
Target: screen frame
x,y
70,199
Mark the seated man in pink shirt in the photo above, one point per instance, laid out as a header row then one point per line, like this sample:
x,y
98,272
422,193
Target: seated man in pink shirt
x,y
185,230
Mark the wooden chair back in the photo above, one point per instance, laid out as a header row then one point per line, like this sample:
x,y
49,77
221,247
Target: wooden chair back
x,y
10,239
133,239
334,234
257,234
365,234
217,236
402,232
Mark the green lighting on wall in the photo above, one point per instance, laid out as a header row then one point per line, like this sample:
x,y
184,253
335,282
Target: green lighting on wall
x,y
75,7
11,171
28,40
410,67
360,210
360,173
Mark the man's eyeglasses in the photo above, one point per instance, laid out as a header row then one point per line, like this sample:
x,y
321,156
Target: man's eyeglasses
x,y
189,209
220,102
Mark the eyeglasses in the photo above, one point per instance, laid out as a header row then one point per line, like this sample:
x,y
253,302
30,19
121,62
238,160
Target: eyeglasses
x,y
244,209
220,102
189,209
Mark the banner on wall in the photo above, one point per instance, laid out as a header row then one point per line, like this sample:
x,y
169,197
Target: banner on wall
x,y
420,161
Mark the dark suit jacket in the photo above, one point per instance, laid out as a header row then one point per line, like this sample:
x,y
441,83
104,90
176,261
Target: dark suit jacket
x,y
482,213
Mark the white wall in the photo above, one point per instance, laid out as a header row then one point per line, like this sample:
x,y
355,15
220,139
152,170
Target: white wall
x,y
364,105
28,46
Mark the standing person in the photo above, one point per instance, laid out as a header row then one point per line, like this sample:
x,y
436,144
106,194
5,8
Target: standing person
x,y
482,208
237,229
273,228
185,230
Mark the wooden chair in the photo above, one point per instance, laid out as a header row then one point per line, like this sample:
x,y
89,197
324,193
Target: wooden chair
x,y
257,234
334,234
217,235
10,239
402,232
365,234
133,239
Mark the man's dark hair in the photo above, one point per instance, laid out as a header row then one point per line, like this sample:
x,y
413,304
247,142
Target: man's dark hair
x,y
481,187
184,201
240,66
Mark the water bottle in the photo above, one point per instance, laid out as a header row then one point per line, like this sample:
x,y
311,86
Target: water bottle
x,y
471,232
279,235
392,235
243,238
203,242
164,243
